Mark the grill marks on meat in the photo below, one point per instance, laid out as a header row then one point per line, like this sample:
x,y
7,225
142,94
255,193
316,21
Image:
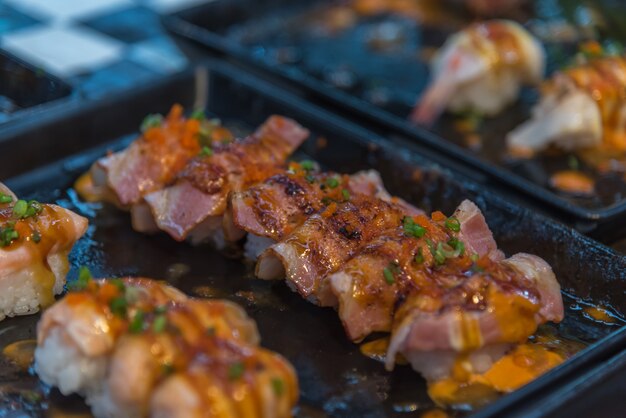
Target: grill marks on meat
x,y
325,241
273,209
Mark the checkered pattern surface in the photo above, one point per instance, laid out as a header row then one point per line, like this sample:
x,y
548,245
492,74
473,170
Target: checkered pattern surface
x,y
97,46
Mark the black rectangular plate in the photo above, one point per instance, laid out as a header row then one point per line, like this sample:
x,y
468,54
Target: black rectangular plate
x,y
23,87
336,380
268,35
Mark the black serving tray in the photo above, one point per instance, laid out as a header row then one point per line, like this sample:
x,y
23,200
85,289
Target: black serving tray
x,y
336,380
24,87
271,37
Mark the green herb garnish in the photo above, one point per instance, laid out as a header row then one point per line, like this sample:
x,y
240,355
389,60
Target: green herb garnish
x,y
119,306
5,198
20,208
151,121
419,257
8,234
278,385
390,271
197,114
24,209
160,321
137,324
453,224
235,371
206,151
332,182
411,228
345,194
307,165
84,277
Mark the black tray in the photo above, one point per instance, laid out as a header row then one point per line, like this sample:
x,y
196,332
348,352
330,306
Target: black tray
x,y
24,87
265,35
336,380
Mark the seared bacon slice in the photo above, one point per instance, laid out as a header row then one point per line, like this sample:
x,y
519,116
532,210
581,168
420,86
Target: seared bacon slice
x,y
277,206
194,205
323,242
369,285
273,209
153,160
35,240
474,312
474,231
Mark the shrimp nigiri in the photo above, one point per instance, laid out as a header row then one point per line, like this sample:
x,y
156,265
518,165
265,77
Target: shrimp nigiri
x,y
581,107
482,69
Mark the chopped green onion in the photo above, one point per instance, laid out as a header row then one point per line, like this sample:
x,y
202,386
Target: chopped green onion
x,y
151,121
36,237
7,235
419,257
84,277
453,224
119,306
206,151
137,324
161,309
20,208
119,284
346,194
459,247
309,178
5,198
235,371
390,271
160,321
278,385
332,182
307,165
439,254
24,209
474,257
326,201
411,228
388,276
197,114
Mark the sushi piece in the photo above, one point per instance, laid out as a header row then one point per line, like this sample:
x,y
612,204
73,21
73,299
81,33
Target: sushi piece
x,y
231,381
473,314
271,210
160,341
194,205
76,336
369,285
324,242
135,344
152,161
35,240
581,107
481,69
